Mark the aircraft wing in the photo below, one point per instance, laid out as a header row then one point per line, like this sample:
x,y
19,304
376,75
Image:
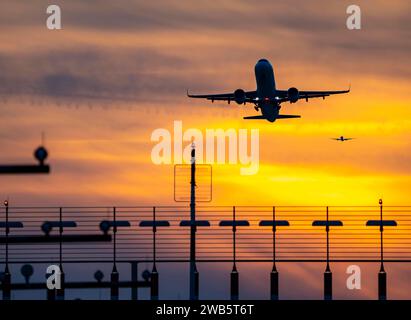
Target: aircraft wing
x,y
250,96
283,94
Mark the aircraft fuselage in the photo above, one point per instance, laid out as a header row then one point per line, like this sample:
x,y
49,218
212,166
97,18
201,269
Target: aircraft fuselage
x,y
264,76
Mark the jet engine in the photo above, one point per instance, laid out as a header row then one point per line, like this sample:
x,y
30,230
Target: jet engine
x,y
293,94
239,96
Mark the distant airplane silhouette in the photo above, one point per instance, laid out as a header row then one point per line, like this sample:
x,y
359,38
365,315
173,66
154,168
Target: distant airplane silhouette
x,y
342,139
267,98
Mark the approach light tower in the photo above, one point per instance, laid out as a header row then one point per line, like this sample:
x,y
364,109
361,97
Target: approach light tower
x,y
192,223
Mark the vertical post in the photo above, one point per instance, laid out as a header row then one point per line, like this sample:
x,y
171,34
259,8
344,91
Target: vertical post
x,y
154,285
274,272
60,292
7,276
382,285
382,275
194,275
114,293
328,280
51,294
134,280
328,274
154,273
196,283
274,276
234,273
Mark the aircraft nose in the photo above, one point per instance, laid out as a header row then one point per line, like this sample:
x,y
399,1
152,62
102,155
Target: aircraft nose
x,y
261,63
262,66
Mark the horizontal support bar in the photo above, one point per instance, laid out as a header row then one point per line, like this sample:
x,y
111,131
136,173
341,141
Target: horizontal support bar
x,y
83,285
329,223
379,223
62,224
157,223
11,224
197,223
234,223
208,261
119,223
105,225
56,239
24,169
272,223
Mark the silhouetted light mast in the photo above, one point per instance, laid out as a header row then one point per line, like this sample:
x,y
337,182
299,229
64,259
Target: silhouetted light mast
x,y
154,224
46,227
274,273
115,224
328,276
382,275
234,276
7,225
193,267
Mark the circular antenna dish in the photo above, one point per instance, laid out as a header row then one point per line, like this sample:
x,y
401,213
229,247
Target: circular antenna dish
x,y
146,275
27,271
41,154
105,226
46,228
99,275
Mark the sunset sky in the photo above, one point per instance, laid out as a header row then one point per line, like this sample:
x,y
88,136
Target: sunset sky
x,y
136,59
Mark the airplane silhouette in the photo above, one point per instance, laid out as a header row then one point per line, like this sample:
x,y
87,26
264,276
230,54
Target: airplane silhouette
x,y
267,98
342,139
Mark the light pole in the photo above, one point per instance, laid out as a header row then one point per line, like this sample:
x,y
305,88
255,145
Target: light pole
x,y
274,276
7,225
114,273
196,290
234,276
154,224
327,273
46,228
382,275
